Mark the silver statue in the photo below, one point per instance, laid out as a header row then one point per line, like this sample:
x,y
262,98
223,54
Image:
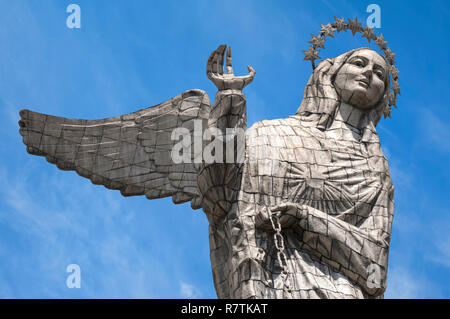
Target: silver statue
x,y
306,213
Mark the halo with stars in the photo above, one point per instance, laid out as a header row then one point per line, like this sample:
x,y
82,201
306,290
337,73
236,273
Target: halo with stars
x,y
354,26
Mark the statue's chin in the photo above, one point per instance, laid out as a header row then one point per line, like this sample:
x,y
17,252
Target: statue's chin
x,y
361,102
357,97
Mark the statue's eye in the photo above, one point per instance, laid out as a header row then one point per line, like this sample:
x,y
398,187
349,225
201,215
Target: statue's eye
x,y
358,63
379,73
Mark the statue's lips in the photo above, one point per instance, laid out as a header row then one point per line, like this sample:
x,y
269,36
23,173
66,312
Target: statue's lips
x,y
364,83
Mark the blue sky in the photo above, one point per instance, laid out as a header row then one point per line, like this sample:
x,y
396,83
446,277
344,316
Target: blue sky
x,y
134,54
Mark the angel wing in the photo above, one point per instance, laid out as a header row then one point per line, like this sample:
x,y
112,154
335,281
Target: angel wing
x,y
130,153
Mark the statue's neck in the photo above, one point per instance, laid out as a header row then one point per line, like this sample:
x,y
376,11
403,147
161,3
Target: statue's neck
x,y
350,115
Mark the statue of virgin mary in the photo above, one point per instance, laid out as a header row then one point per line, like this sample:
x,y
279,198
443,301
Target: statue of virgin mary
x,y
306,213
323,175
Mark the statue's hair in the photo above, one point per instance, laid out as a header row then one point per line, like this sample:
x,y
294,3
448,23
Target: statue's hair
x,y
321,101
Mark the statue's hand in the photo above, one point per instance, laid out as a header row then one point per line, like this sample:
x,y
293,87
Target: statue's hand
x,y
289,215
215,71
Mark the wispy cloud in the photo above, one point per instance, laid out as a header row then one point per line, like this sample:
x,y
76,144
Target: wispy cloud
x,y
437,130
76,225
443,252
404,284
189,291
439,251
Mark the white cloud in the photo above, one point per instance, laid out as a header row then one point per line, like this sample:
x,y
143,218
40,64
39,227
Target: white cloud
x,y
189,291
437,131
65,224
404,284
439,251
443,252
400,174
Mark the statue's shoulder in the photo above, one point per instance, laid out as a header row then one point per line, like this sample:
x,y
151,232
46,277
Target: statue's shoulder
x,y
272,126
291,126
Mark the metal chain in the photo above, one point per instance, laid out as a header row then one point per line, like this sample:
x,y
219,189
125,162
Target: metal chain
x,y
279,244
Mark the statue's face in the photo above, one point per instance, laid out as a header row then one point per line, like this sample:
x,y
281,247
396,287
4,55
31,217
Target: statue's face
x,y
361,80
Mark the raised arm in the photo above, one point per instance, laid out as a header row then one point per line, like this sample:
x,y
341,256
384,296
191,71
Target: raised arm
x,y
226,127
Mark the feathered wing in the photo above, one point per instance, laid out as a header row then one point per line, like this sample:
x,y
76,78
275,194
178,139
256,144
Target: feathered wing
x,y
130,153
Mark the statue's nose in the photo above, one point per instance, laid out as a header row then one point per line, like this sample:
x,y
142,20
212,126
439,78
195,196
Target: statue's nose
x,y
368,73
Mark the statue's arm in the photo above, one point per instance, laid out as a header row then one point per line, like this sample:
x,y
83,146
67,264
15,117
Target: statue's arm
x,y
359,254
228,120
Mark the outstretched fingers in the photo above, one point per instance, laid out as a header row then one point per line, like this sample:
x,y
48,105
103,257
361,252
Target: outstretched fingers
x,y
251,71
221,52
217,60
249,78
214,62
209,64
217,54
229,64
215,70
